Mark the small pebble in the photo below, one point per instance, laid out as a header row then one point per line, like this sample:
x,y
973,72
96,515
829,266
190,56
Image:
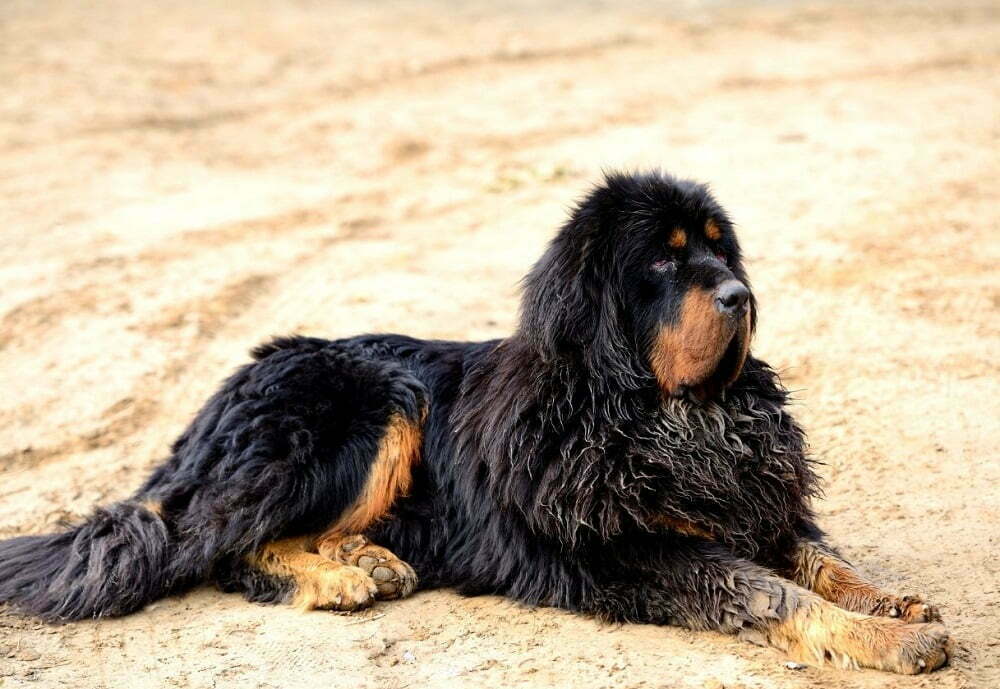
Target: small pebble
x,y
408,657
794,666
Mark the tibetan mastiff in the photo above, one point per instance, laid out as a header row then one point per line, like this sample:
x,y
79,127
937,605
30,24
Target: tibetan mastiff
x,y
621,454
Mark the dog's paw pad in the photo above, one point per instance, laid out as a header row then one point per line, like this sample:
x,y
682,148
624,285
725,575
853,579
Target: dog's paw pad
x,y
393,577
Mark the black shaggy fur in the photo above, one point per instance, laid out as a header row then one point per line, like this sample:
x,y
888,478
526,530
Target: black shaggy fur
x,y
549,459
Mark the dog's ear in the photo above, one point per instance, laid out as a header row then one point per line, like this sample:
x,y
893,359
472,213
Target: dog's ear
x,y
568,302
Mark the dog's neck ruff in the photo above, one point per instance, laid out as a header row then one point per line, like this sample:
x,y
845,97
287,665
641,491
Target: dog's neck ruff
x,y
582,461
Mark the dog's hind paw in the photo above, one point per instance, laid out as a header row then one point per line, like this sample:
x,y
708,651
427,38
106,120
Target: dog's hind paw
x,y
335,587
393,577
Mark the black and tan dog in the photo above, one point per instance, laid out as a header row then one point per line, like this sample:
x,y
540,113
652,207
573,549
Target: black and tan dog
x,y
621,454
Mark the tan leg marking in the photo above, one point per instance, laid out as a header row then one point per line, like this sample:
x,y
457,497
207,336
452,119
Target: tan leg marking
x,y
153,506
820,570
820,632
393,577
389,477
320,582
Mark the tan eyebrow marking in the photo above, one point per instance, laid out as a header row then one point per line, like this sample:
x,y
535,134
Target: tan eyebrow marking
x,y
712,230
678,238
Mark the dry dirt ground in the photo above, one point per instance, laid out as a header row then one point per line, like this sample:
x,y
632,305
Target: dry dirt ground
x,y
178,182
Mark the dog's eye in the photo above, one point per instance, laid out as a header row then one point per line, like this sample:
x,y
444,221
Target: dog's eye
x,y
663,265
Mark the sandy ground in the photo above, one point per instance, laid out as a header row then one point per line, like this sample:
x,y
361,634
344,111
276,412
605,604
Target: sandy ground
x,y
179,182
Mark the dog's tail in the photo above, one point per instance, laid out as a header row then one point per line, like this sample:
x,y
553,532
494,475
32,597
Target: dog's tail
x,y
112,564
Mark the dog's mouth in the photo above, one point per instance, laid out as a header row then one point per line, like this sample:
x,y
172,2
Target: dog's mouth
x,y
725,373
699,365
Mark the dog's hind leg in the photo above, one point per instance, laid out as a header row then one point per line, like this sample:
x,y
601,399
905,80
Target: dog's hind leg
x,y
377,452
819,568
339,569
332,572
311,430
290,571
388,477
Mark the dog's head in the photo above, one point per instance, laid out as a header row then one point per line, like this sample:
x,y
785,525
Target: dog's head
x,y
646,274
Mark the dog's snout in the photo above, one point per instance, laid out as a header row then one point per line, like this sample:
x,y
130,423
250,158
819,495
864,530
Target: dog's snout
x,y
731,296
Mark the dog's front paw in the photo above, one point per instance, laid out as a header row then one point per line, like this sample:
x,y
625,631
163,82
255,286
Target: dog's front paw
x,y
920,648
912,609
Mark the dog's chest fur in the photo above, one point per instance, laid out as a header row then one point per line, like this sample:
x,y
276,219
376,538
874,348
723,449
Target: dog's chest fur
x,y
736,469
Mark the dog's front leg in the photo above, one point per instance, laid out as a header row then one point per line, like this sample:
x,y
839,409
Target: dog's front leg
x,y
701,585
818,567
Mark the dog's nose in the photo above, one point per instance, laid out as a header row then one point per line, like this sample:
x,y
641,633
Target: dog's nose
x,y
731,296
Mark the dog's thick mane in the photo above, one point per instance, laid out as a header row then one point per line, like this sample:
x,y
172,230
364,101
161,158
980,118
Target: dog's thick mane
x,y
581,461
565,422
